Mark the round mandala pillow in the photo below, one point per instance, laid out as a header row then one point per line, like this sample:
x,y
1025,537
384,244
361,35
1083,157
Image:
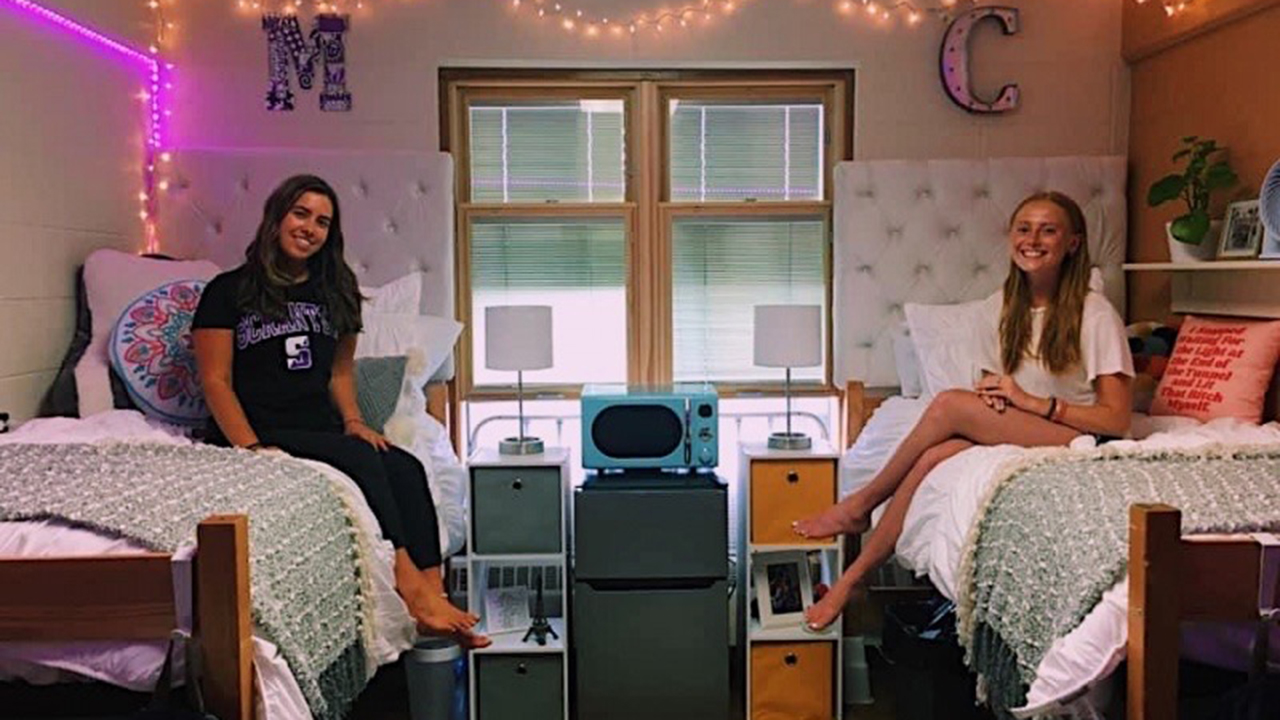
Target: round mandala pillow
x,y
152,352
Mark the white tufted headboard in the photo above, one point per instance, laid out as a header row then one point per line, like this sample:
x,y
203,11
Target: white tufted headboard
x,y
397,211
935,232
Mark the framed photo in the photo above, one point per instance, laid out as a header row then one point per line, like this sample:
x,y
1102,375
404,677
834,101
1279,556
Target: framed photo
x,y
783,588
1241,231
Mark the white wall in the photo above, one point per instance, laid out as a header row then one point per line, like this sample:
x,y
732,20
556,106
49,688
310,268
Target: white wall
x,y
1066,58
71,138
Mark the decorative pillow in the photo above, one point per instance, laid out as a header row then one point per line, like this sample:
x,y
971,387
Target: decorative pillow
x,y
1220,368
403,296
954,342
114,280
906,362
1151,344
379,381
60,400
152,352
396,334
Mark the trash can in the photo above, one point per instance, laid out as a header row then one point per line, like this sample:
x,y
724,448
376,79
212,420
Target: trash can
x,y
929,678
437,679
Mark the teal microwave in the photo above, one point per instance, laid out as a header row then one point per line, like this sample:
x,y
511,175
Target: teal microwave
x,y
670,427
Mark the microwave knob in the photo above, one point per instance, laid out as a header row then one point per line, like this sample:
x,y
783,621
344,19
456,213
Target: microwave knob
x,y
705,434
704,410
704,457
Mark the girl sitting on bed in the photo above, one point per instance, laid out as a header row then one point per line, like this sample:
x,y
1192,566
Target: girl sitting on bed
x,y
1066,372
275,343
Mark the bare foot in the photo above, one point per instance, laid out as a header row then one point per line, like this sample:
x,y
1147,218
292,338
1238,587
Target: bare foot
x,y
471,641
824,612
836,520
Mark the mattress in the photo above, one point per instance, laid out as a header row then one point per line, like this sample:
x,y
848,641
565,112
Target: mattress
x,y
136,665
946,504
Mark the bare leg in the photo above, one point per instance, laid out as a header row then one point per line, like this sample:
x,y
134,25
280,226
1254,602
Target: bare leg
x,y
880,543
954,413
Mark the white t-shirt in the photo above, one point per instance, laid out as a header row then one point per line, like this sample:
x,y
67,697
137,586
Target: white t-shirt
x,y
1104,350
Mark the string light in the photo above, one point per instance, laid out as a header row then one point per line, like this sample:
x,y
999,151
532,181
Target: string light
x,y
155,95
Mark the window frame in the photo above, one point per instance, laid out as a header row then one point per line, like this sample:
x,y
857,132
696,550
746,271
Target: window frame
x,y
647,212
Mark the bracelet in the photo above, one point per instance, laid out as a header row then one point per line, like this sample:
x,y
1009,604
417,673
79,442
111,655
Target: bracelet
x,y
1053,408
352,420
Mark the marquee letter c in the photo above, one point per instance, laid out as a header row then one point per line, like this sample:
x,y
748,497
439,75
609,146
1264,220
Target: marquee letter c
x,y
954,60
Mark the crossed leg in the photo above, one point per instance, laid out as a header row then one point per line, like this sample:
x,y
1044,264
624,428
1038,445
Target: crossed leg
x,y
954,421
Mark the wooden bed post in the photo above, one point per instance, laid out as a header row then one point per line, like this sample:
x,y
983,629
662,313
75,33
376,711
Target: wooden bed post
x,y
1155,533
222,615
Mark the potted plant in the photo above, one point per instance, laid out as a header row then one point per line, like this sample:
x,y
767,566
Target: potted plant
x,y
1187,233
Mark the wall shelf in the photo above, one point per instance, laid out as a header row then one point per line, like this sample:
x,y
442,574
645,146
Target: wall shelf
x,y
1207,266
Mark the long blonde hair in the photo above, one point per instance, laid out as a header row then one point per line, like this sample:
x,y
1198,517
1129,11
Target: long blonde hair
x,y
1060,339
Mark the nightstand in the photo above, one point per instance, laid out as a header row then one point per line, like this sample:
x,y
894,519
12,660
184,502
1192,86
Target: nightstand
x,y
791,672
515,533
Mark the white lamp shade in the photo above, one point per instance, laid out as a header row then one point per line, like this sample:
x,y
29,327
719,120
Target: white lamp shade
x,y
517,337
788,335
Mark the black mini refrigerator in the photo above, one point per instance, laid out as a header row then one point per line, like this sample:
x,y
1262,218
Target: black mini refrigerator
x,y
650,597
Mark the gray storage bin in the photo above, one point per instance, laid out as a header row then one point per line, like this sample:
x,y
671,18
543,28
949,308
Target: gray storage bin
x,y
528,687
436,675
516,510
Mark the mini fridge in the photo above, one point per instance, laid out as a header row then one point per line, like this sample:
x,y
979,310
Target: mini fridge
x,y
650,597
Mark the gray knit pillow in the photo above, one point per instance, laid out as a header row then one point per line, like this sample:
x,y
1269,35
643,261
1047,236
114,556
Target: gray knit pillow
x,y
378,383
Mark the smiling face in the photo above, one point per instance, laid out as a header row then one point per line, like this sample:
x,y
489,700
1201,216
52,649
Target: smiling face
x,y
1040,238
305,228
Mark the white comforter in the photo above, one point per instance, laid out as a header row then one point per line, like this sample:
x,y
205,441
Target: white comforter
x,y
944,507
136,665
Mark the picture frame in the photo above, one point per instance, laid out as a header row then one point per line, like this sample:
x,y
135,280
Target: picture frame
x,y
1241,231
783,588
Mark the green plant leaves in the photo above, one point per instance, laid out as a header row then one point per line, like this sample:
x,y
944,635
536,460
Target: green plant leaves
x,y
1167,188
1219,175
1191,228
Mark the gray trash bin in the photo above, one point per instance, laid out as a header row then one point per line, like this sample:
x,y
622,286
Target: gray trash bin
x,y
436,670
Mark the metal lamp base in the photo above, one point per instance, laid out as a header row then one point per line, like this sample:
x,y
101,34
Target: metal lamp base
x,y
520,446
790,441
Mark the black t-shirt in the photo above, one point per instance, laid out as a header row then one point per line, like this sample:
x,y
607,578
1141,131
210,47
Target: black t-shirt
x,y
281,368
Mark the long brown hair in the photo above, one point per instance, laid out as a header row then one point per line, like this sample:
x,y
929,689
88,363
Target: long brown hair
x,y
1059,348
263,287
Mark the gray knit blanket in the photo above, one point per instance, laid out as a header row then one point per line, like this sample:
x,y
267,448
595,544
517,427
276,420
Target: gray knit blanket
x,y
303,556
1052,536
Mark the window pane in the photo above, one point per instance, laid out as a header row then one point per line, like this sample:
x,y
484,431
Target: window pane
x,y
566,151
757,151
578,267
722,268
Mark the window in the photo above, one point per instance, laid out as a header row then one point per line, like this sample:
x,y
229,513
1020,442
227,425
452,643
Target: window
x,y
652,210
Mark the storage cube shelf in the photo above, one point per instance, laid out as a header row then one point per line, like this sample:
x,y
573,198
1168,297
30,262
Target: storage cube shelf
x,y
516,533
792,673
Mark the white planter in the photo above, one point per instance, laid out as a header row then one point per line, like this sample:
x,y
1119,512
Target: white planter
x,y
1180,252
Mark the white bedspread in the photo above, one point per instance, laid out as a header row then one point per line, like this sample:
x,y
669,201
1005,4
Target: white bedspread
x,y
136,665
944,507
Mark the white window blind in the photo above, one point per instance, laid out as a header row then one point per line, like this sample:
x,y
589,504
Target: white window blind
x,y
578,267
722,268
734,152
562,151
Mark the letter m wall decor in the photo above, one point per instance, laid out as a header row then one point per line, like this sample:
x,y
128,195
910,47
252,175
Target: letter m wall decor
x,y
286,48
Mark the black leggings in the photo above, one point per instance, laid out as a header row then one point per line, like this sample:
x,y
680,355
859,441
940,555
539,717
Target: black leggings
x,y
393,482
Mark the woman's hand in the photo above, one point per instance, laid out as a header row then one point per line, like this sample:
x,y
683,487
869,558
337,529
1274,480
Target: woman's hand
x,y
357,429
1001,391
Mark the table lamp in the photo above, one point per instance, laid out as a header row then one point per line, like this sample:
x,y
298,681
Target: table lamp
x,y
788,336
518,337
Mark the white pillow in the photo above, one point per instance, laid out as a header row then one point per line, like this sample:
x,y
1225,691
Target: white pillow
x,y
396,334
906,362
112,280
403,295
954,342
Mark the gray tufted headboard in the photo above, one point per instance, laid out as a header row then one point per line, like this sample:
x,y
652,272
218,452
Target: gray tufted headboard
x,y
934,232
397,211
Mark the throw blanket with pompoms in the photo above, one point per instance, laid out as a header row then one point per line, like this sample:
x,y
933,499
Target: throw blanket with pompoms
x,y
1052,536
303,553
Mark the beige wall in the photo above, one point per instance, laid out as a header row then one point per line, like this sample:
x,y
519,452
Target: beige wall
x,y
1066,58
70,157
1213,82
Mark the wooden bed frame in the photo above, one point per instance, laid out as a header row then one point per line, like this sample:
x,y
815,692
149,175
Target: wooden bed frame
x,y
130,597
1171,579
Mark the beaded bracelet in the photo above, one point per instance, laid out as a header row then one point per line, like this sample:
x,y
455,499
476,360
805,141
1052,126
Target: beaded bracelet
x,y
1053,408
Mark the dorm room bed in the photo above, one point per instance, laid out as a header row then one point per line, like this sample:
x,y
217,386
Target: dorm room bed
x,y
932,232
398,219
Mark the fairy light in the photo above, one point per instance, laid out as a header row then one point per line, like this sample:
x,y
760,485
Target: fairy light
x,y
155,95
